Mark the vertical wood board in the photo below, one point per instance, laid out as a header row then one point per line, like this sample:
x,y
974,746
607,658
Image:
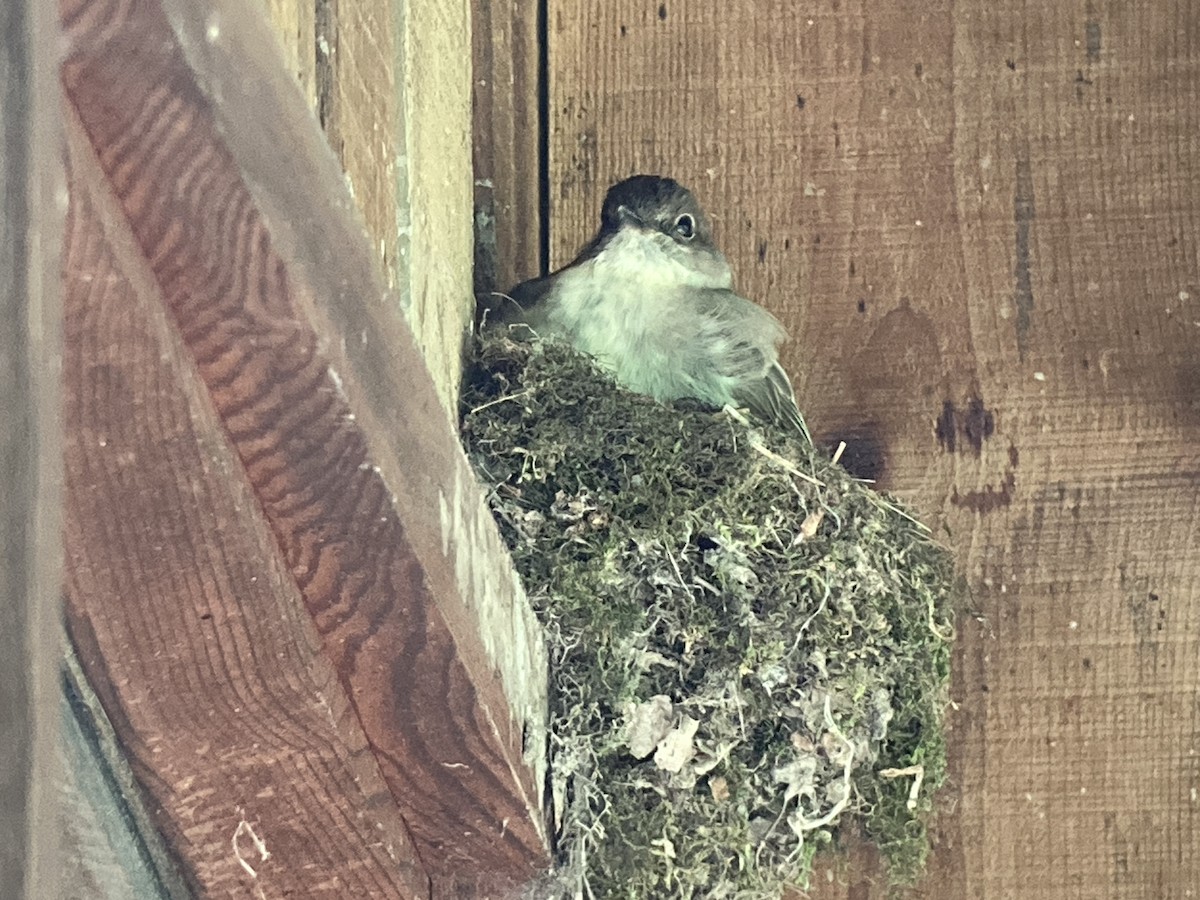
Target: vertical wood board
x,y
389,81
507,134
980,223
30,463
260,423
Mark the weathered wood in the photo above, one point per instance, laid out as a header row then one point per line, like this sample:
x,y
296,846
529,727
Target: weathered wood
x,y
507,157
185,614
30,463
109,847
980,222
284,584
393,94
295,21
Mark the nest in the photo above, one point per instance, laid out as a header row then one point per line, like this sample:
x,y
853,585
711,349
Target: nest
x,y
749,647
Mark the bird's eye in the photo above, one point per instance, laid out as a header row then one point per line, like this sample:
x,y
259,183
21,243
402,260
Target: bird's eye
x,y
685,227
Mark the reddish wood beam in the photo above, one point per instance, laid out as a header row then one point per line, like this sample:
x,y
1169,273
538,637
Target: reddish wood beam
x,y
283,583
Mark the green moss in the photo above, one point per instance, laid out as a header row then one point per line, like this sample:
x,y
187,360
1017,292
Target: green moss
x,y
718,591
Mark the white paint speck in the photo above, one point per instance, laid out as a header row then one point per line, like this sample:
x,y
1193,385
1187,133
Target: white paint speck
x,y
1039,376
337,381
212,29
1073,625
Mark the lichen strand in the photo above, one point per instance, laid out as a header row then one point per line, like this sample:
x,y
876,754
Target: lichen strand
x,y
728,640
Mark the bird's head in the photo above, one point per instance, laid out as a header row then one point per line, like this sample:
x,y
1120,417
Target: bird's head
x,y
653,228
655,203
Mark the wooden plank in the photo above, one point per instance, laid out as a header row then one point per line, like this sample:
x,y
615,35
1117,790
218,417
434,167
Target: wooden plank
x,y
183,611
295,21
110,848
980,222
393,94
30,464
436,97
507,158
340,599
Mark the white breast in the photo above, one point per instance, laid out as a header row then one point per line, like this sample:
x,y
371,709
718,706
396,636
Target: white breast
x,y
628,307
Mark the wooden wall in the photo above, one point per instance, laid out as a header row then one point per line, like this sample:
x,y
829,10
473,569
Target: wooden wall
x,y
508,152
980,222
388,81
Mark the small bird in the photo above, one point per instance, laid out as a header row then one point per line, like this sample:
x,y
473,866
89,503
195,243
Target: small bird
x,y
651,298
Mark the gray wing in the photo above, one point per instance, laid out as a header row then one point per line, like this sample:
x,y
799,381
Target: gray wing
x,y
772,398
740,338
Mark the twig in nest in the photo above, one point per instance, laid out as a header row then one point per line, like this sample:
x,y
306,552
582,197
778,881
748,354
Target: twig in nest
x,y
501,400
784,464
898,511
736,414
810,824
918,775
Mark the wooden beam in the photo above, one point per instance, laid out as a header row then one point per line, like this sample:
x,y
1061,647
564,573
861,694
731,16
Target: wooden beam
x,y
392,90
295,21
387,80
507,155
284,584
30,460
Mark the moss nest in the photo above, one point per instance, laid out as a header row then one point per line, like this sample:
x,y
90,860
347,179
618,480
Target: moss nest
x,y
749,647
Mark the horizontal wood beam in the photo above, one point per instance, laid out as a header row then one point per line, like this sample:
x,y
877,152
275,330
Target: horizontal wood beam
x,y
284,585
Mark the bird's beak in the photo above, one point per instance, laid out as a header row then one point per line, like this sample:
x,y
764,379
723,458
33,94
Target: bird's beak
x,y
628,217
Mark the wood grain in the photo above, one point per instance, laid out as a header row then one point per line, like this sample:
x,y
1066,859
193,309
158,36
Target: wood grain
x,y
111,849
281,572
185,615
436,93
981,224
295,21
507,158
30,462
393,94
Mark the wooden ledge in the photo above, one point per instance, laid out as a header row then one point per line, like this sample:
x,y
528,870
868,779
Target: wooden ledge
x,y
283,582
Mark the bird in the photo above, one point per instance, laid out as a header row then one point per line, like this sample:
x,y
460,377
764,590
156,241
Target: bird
x,y
651,299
